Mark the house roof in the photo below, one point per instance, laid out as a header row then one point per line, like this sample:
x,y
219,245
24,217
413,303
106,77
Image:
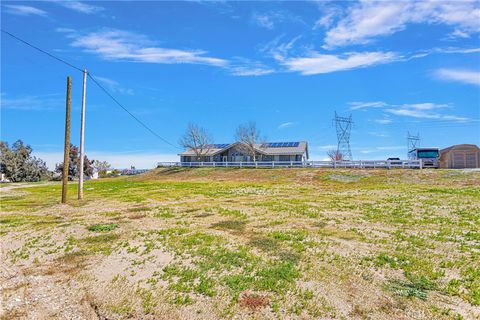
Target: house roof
x,y
459,146
267,148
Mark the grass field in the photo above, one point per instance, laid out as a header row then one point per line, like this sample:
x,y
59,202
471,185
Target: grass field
x,y
245,244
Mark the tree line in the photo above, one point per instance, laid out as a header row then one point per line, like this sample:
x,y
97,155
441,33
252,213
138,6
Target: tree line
x,y
17,164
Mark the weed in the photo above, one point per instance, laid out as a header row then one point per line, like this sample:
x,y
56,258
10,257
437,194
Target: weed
x,y
103,227
407,289
235,225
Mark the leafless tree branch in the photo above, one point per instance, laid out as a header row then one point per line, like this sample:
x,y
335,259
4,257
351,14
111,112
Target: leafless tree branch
x,y
196,139
249,136
334,155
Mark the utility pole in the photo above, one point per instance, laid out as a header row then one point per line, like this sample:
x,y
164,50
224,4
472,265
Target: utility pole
x,y
66,153
82,134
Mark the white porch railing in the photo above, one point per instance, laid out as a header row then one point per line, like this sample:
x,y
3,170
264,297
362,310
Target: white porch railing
x,y
361,164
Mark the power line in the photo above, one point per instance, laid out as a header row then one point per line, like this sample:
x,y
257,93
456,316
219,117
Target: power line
x,y
96,82
131,114
42,51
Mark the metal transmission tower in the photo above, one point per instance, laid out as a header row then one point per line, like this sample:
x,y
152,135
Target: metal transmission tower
x,y
343,125
412,141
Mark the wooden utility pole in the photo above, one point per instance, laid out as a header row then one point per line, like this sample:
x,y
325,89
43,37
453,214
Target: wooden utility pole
x,y
82,134
66,154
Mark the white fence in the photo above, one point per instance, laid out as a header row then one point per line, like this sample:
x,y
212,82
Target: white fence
x,y
362,164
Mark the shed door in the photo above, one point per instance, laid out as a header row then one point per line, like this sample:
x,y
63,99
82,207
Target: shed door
x,y
471,160
458,160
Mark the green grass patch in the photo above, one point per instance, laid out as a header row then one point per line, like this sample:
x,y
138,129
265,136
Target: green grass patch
x,y
103,227
234,225
407,289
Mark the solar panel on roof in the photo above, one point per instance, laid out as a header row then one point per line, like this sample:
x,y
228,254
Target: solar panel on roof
x,y
280,144
219,145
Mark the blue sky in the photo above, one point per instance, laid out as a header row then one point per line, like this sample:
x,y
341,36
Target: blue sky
x,y
395,66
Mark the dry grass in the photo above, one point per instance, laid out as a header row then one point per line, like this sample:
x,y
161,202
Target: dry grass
x,y
244,243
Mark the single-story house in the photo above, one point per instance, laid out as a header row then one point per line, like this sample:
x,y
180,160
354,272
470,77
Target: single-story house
x,y
460,156
236,152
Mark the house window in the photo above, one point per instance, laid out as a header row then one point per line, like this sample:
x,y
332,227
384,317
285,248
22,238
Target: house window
x,y
284,158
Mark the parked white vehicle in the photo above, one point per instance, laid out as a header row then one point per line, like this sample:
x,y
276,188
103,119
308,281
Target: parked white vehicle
x,y
429,156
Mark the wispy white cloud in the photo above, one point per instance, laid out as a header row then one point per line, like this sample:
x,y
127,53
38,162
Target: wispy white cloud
x,y
246,67
218,6
379,149
270,19
23,10
448,50
423,111
427,110
390,148
121,45
286,125
297,57
365,105
458,75
367,20
82,7
322,147
264,20
65,30
384,120
278,49
328,15
118,45
244,71
458,34
114,86
411,111
79,6
32,102
379,134
317,63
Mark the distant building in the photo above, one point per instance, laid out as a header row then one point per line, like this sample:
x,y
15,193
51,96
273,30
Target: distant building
x,y
93,177
235,152
460,156
131,172
3,178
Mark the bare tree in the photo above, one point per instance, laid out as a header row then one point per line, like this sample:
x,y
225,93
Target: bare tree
x,y
249,136
196,139
334,155
101,166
